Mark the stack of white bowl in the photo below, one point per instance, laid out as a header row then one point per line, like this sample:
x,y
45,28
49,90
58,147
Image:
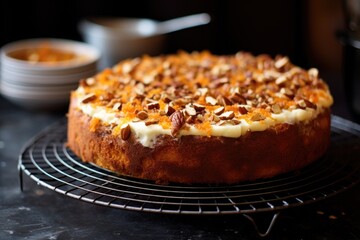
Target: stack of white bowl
x,y
44,86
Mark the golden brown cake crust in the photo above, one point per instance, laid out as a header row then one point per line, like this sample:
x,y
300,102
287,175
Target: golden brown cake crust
x,y
200,159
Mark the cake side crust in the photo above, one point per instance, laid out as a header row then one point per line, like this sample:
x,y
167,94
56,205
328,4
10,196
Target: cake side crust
x,y
201,159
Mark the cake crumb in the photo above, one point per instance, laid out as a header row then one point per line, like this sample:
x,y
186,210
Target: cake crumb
x,y
332,217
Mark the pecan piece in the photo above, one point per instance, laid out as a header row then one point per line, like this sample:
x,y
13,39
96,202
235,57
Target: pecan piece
x,y
219,111
153,105
190,110
287,92
151,122
117,106
237,98
242,110
281,62
88,98
258,117
227,115
276,108
210,100
222,100
166,98
139,89
169,110
198,107
280,80
177,121
142,115
303,103
125,132
310,104
313,72
190,119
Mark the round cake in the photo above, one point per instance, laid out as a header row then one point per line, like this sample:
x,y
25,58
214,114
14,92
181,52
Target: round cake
x,y
201,118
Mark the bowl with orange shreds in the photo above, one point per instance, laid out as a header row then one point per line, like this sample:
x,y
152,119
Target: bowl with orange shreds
x,y
40,73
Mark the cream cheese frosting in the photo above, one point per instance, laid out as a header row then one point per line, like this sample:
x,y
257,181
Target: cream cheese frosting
x,y
147,135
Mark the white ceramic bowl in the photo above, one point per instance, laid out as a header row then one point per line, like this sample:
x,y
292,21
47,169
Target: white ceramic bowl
x,y
86,54
44,85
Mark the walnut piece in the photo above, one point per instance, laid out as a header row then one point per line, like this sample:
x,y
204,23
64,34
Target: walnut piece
x,y
258,117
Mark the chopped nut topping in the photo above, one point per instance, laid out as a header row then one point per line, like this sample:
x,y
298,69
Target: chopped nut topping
x,y
313,72
202,89
88,98
220,82
301,104
169,110
153,105
242,110
148,79
304,103
165,98
281,62
117,106
287,92
214,118
190,119
258,117
199,107
151,122
177,121
311,105
142,115
90,81
235,121
221,123
200,118
125,132
210,100
219,110
237,98
140,89
190,110
222,100
280,80
227,115
276,109
271,74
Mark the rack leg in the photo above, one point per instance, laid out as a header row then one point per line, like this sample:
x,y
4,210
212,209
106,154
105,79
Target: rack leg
x,y
21,179
268,228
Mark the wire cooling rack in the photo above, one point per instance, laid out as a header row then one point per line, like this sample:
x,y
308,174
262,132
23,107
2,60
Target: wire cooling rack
x,y
48,161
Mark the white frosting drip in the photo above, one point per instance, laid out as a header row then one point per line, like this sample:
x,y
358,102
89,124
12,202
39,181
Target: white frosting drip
x,y
147,135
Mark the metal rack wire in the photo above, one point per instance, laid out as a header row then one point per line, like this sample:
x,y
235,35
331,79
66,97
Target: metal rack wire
x,y
48,161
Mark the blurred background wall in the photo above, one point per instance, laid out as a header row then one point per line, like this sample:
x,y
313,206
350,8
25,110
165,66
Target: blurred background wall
x,y
302,29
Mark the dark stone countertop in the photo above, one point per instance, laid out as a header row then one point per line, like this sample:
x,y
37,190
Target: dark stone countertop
x,y
39,213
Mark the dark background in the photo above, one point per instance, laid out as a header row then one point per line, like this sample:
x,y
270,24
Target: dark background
x,y
273,27
304,30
